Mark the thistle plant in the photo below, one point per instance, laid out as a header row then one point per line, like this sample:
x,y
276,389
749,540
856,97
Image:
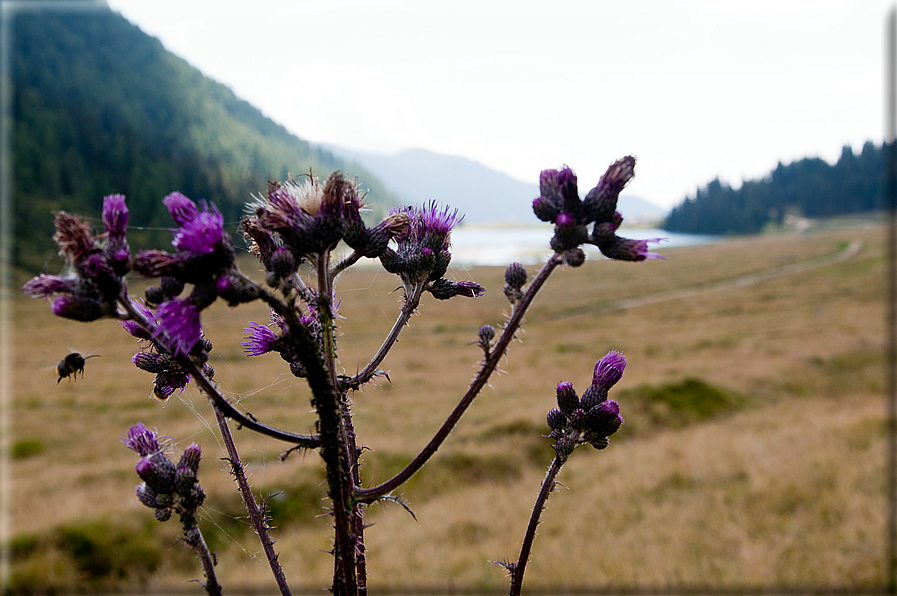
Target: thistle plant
x,y
299,223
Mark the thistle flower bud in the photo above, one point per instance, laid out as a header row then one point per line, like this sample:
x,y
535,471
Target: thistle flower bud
x,y
78,308
604,419
443,289
115,216
568,401
182,209
592,396
568,233
190,458
155,295
151,362
44,286
235,290
282,262
158,472
609,370
564,447
556,419
171,286
601,202
486,333
545,209
574,257
515,275
624,249
147,496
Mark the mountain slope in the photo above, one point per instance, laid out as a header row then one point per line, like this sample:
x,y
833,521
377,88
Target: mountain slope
x,y
482,194
99,107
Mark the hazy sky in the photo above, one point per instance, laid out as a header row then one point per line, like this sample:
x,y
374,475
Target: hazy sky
x,y
693,89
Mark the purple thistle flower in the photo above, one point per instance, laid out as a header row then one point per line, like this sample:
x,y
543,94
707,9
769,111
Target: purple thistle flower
x,y
180,320
115,216
44,286
182,209
438,222
260,340
429,227
202,234
609,370
142,440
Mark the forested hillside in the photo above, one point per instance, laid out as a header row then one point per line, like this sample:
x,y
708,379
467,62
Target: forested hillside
x,y
809,187
99,107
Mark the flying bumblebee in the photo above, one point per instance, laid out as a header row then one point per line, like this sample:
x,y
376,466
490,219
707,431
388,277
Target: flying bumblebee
x,y
71,365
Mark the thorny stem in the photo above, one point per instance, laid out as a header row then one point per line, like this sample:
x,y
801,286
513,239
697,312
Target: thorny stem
x,y
334,443
193,537
218,401
547,486
369,495
357,515
256,515
412,300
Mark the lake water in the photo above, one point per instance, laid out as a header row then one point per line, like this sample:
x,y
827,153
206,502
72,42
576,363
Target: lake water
x,y
485,245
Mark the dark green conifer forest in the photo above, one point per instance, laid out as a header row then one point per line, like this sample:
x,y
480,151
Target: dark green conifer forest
x,y
99,107
809,187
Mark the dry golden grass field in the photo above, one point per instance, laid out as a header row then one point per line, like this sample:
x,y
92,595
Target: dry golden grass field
x,y
752,455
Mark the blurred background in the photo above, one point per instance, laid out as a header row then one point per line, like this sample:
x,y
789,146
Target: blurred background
x,y
753,452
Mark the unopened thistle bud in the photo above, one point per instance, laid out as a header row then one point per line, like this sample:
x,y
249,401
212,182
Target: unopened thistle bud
x,y
515,275
609,370
568,401
78,308
443,289
151,362
574,257
556,419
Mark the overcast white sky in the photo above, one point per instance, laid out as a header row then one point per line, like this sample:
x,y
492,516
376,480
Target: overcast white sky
x,y
693,89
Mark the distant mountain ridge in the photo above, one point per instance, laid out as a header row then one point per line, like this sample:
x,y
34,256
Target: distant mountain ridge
x,y
481,194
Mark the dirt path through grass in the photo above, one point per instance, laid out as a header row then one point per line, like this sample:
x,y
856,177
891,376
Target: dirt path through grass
x,y
847,252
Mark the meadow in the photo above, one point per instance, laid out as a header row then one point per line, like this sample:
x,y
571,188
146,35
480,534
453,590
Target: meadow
x,y
752,454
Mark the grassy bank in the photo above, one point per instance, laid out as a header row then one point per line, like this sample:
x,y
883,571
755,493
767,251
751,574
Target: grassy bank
x,y
753,450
